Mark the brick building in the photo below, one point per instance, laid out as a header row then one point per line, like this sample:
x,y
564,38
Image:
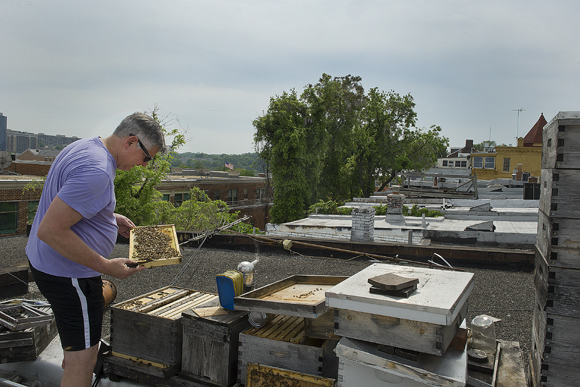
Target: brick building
x,y
247,195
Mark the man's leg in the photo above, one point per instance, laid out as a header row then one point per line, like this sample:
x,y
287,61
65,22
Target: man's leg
x,y
79,366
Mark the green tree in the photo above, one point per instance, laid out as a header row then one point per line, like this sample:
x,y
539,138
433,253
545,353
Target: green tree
x,y
482,145
280,139
336,142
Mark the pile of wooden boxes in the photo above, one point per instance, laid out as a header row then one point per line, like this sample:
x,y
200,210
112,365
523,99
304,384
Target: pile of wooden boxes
x,y
26,329
389,340
556,325
296,345
147,334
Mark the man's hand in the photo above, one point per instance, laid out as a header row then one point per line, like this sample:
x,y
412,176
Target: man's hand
x,y
125,225
117,267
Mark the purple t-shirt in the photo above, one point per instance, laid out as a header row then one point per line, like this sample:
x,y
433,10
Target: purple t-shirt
x,y
83,177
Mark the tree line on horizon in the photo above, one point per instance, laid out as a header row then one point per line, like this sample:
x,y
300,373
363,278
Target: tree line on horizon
x,y
247,163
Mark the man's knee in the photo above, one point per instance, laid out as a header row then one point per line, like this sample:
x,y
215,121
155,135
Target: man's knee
x,y
85,358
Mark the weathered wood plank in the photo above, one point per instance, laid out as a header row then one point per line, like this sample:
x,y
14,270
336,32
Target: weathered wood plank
x,y
210,347
510,371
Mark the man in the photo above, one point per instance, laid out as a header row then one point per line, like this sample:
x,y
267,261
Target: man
x,y
75,229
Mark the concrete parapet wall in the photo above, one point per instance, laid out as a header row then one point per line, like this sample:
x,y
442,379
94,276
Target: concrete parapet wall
x,y
380,235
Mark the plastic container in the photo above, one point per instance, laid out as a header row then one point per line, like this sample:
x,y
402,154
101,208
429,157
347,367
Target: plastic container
x,y
483,334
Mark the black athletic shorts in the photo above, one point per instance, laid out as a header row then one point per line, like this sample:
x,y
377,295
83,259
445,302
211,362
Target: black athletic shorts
x,y
77,304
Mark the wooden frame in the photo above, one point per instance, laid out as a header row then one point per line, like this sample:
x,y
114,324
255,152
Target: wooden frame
x,y
298,295
167,229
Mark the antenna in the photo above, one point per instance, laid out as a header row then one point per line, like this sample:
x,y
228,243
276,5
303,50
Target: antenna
x,y
5,160
518,127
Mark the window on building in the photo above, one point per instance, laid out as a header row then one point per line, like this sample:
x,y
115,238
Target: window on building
x,y
444,163
8,217
232,196
464,164
166,197
216,194
478,162
506,164
457,163
245,193
261,193
180,198
490,163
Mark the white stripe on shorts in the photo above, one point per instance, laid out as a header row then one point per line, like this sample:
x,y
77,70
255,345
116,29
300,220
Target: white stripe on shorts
x,y
85,312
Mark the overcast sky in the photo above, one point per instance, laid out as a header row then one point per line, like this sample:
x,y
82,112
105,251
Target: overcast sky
x,y
77,68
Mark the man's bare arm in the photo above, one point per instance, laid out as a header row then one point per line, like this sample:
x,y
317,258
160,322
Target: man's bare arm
x,y
55,231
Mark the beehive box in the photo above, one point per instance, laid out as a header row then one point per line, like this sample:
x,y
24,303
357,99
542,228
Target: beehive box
x,y
397,332
26,344
557,241
154,245
426,321
148,328
282,343
210,345
364,364
561,141
559,189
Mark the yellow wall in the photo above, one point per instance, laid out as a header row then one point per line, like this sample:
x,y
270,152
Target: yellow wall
x,y
529,157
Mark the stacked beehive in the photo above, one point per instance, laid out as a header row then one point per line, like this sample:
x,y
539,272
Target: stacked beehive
x,y
556,325
297,340
390,339
147,334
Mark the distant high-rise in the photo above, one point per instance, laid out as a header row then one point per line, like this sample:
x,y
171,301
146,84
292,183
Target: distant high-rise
x,y
3,127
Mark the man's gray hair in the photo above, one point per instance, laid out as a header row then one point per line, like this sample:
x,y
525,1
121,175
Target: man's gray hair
x,y
145,127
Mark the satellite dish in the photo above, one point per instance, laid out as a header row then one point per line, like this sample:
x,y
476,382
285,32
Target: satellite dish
x,y
5,160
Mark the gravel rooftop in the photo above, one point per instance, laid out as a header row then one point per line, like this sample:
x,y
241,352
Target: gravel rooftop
x,y
506,295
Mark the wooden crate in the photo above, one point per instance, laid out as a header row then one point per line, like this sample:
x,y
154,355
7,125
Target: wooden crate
x,y
397,332
148,328
555,347
210,345
27,344
557,241
281,343
561,142
559,190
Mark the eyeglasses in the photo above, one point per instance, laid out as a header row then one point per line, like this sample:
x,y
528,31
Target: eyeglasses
x,y
147,157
